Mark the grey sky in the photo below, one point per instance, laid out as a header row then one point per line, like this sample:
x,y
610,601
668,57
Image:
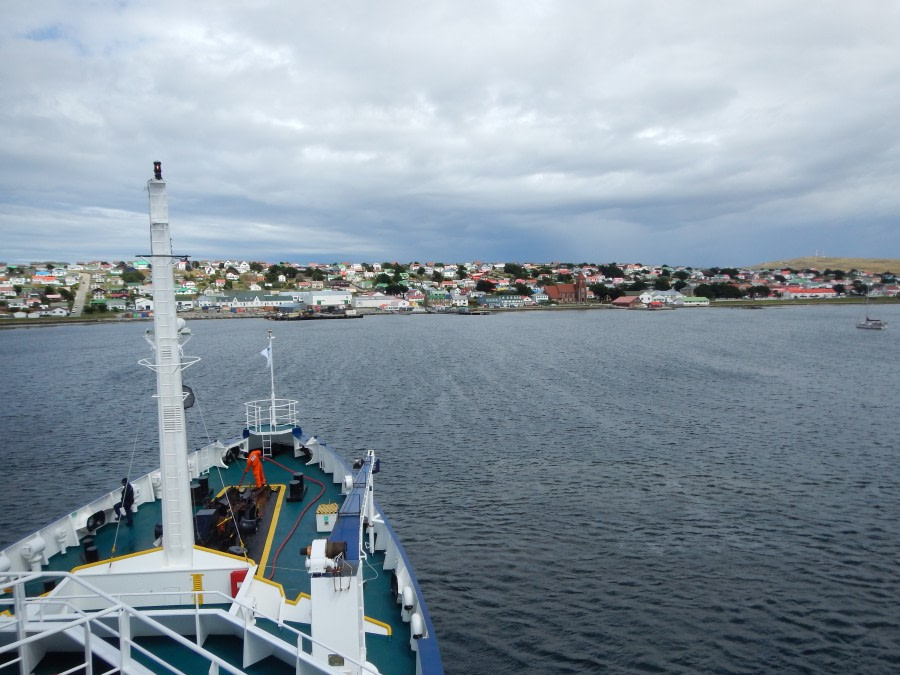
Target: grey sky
x,y
693,133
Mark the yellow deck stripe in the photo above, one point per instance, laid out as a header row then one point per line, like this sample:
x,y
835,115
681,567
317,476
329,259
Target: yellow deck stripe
x,y
275,514
243,559
107,561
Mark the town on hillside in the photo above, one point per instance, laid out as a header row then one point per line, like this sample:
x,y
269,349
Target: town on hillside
x,y
56,289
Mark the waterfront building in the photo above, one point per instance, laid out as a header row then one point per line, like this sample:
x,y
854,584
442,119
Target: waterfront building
x,y
320,299
376,300
568,293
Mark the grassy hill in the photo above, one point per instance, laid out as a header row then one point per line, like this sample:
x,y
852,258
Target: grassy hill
x,y
871,265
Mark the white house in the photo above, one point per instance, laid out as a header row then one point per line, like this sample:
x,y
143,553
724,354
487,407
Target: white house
x,y
670,297
806,293
458,299
509,301
248,299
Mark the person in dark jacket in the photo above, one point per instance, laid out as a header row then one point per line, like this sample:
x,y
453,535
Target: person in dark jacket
x,y
126,502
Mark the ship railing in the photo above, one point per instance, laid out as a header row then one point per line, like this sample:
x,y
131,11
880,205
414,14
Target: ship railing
x,y
30,617
267,416
68,531
54,616
363,482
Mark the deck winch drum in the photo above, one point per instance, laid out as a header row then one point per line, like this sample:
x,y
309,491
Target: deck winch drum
x,y
335,548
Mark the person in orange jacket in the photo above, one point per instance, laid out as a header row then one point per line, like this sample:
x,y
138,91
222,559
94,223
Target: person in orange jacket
x,y
254,463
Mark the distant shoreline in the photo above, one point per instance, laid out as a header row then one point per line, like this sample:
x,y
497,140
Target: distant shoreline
x,y
6,324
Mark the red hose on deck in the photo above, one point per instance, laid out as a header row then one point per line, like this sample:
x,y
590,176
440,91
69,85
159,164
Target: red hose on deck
x,y
299,518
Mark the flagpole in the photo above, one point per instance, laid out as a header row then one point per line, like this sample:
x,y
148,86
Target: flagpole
x,y
272,378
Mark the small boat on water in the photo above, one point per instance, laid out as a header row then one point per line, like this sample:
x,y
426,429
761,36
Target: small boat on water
x,y
869,323
262,553
872,324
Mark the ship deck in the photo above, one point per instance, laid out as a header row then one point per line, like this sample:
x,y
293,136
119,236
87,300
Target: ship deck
x,y
283,548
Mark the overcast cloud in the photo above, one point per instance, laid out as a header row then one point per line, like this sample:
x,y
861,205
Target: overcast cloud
x,y
684,132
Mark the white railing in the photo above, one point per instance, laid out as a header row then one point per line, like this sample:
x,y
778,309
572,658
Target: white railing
x,y
270,415
37,548
36,620
35,628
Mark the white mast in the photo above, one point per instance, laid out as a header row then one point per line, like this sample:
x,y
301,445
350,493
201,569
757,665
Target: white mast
x,y
177,514
272,378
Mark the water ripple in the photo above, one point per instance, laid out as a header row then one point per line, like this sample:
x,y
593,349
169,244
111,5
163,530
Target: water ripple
x,y
695,491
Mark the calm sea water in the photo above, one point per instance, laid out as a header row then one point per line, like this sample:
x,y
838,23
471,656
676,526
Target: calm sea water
x,y
707,490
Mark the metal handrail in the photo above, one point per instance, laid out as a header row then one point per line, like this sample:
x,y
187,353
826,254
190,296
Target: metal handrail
x,y
116,607
18,581
274,412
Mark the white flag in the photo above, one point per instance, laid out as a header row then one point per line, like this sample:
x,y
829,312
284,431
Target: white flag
x,y
268,354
